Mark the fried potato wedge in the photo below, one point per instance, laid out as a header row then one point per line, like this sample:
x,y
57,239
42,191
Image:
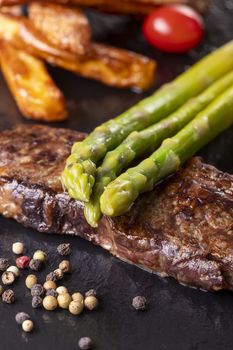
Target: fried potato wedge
x,y
112,66
34,91
135,7
64,27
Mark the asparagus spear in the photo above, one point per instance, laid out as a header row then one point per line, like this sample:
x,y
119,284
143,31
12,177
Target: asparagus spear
x,y
143,143
79,174
122,192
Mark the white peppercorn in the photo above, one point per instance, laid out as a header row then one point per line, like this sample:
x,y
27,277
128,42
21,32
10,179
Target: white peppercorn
x,y
20,317
17,248
78,297
139,303
58,273
8,278
85,343
37,289
30,281
15,270
65,266
64,300
37,302
91,302
50,303
64,249
4,264
8,296
1,289
76,307
61,290
49,285
52,292
27,326
36,264
39,255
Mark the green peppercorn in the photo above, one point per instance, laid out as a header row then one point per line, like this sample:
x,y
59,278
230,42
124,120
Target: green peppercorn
x,y
91,302
76,307
64,300
30,281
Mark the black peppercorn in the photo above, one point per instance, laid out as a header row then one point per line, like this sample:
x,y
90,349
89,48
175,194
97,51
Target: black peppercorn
x,y
51,277
91,292
52,292
139,303
37,290
8,296
85,343
4,264
36,264
20,317
64,249
37,302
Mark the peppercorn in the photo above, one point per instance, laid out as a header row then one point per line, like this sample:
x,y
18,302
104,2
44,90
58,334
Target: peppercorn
x,y
78,297
17,248
15,270
76,307
36,264
64,249
52,292
58,273
30,281
1,289
64,300
85,343
37,302
27,326
139,303
22,262
51,277
8,278
8,296
65,266
61,290
49,285
37,290
50,303
91,292
39,255
91,302
4,264
20,317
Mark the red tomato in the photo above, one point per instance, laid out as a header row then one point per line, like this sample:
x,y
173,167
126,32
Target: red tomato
x,y
175,28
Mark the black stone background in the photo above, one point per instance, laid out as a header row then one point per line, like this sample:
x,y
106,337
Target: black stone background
x,y
178,318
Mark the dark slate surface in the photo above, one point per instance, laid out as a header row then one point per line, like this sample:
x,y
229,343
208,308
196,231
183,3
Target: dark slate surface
x,y
178,317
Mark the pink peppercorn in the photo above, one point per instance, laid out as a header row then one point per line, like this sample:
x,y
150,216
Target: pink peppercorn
x,y
22,262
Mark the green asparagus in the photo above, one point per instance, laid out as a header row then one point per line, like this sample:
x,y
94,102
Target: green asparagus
x,y
79,174
122,192
143,143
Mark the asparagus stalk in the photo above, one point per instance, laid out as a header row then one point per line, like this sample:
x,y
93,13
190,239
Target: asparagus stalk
x,y
79,174
143,143
120,194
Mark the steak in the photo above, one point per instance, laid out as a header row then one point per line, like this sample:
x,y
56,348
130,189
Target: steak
x,y
182,229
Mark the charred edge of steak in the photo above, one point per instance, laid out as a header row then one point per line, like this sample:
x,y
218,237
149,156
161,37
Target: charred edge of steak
x,y
183,229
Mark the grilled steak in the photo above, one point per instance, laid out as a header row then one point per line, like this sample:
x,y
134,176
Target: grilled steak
x,y
183,229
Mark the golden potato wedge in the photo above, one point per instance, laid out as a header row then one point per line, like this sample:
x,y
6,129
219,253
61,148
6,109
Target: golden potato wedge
x,y
34,91
112,66
134,7
64,27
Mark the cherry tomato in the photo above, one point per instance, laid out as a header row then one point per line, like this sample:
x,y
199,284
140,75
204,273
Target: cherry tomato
x,y
175,28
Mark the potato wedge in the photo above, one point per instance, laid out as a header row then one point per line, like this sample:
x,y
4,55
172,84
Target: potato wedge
x,y
64,27
112,66
134,7
34,91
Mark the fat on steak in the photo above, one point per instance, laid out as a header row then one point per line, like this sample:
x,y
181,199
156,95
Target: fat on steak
x,y
182,229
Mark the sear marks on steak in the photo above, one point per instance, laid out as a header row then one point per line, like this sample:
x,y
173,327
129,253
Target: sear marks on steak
x,y
183,229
